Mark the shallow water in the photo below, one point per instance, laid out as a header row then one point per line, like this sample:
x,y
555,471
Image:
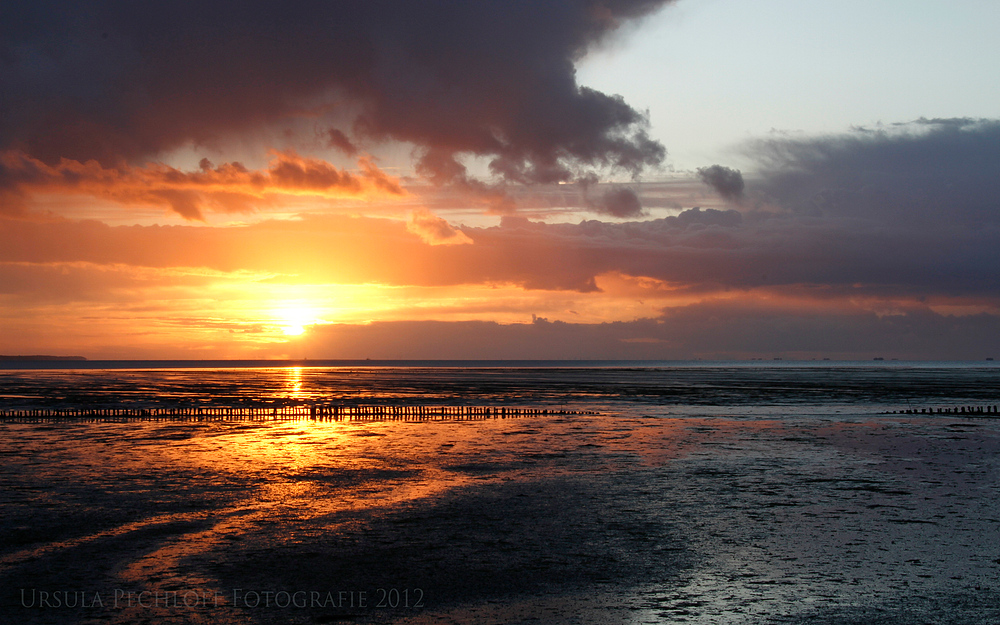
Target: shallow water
x,y
696,494
864,386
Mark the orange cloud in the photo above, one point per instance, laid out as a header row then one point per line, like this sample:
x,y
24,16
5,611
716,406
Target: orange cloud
x,y
435,231
229,187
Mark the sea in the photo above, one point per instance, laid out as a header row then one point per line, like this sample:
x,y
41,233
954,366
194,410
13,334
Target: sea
x,y
621,492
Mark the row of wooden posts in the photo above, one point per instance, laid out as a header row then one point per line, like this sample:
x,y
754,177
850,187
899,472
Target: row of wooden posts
x,y
335,412
316,412
969,411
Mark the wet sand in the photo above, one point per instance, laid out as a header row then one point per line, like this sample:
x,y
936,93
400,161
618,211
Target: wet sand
x,y
612,518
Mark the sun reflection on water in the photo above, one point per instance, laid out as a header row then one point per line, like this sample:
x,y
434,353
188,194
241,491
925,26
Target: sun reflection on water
x,y
293,383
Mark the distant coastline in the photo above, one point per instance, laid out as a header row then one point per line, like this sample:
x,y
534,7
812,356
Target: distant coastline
x,y
41,357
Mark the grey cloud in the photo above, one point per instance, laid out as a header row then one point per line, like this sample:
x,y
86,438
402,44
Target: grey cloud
x,y
337,139
621,202
615,201
727,182
708,217
930,171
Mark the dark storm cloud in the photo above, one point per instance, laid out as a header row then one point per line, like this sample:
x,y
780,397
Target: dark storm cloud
x,y
118,81
727,182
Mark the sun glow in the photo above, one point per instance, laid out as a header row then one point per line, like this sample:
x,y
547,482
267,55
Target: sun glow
x,y
294,320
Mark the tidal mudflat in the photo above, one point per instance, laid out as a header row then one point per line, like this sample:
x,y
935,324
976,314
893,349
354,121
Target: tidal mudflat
x,y
641,513
605,518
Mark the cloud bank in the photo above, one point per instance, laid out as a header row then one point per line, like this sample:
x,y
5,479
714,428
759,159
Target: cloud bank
x,y
921,175
710,331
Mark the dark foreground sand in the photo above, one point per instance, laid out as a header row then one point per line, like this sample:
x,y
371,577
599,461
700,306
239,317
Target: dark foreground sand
x,y
594,519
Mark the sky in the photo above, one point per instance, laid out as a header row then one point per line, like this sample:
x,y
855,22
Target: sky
x,y
594,179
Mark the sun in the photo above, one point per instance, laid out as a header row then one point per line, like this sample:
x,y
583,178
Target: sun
x,y
294,320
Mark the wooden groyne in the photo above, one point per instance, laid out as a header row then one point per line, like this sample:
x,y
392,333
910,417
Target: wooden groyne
x,y
986,412
315,412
